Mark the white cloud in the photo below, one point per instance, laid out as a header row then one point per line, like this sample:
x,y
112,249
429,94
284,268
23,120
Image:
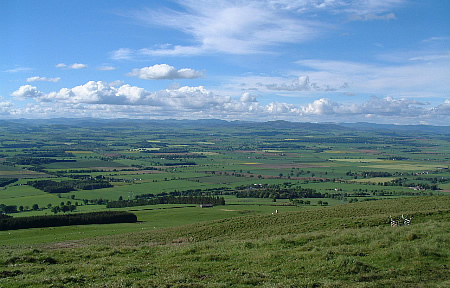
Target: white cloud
x,y
247,97
337,6
366,7
122,54
443,108
231,27
320,107
78,66
106,68
299,84
5,107
19,70
74,66
27,91
387,106
246,27
399,79
164,71
371,17
434,39
432,57
37,78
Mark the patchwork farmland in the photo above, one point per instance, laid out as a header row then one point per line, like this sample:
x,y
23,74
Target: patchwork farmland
x,y
162,171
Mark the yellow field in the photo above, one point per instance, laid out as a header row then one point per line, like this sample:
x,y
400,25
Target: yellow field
x,y
361,160
20,172
375,180
338,152
206,153
407,167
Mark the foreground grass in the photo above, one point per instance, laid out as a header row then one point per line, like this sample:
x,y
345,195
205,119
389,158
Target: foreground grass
x,y
342,246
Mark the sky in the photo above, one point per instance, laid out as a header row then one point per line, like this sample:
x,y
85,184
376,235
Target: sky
x,y
379,61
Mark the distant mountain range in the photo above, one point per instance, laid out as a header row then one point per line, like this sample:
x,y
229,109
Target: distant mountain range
x,y
279,124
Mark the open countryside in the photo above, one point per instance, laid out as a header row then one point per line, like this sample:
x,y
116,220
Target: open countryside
x,y
294,194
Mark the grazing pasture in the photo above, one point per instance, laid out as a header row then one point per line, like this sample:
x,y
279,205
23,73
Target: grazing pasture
x,y
343,246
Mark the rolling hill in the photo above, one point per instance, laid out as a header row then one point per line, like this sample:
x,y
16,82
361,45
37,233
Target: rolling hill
x,y
350,245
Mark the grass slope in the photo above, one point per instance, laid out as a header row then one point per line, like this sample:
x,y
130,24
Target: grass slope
x,y
350,245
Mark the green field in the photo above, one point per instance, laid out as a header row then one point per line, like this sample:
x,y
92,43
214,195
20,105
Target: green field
x,y
349,245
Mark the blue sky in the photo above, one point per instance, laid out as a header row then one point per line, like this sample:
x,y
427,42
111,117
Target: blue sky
x,y
381,61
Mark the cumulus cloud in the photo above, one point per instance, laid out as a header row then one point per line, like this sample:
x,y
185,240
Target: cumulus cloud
x,y
74,66
5,107
387,106
27,91
443,108
247,97
164,71
37,78
320,107
104,93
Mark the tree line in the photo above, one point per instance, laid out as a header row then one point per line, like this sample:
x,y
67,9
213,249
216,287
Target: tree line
x,y
7,181
105,217
38,161
276,191
51,186
167,200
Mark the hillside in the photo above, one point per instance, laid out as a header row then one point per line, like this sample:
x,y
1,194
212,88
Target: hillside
x,y
350,245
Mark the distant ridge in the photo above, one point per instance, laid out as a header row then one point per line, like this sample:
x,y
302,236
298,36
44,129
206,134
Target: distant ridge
x,y
398,128
203,123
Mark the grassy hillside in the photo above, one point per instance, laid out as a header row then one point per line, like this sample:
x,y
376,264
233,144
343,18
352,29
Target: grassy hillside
x,y
350,245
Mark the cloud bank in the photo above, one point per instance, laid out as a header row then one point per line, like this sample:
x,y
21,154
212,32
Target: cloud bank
x,y
101,99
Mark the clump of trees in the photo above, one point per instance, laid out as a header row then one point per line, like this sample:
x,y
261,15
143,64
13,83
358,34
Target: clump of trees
x,y
105,217
7,209
69,207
